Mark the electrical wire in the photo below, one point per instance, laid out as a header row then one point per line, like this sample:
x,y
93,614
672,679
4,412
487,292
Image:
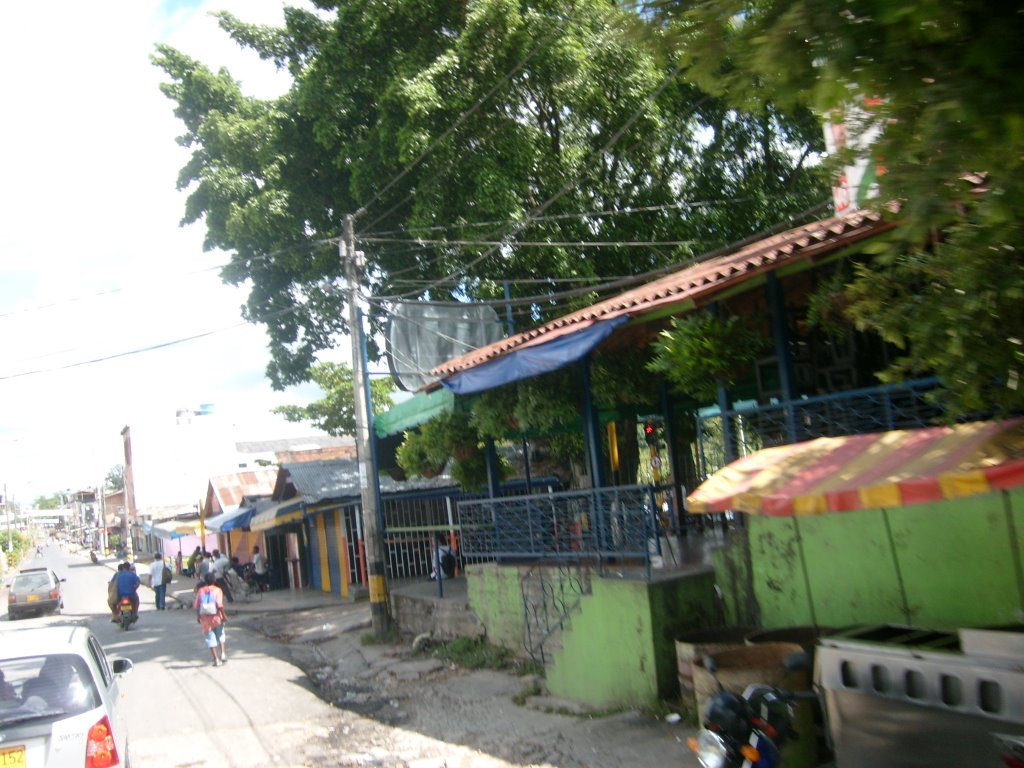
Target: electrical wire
x,y
466,114
648,100
629,210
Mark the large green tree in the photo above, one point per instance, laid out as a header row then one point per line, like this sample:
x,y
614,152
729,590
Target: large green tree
x,y
447,127
335,412
948,105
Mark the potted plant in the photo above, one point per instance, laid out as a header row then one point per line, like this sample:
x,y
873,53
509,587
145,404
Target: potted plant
x,y
700,352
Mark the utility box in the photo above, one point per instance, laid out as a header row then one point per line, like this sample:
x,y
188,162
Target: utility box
x,y
905,696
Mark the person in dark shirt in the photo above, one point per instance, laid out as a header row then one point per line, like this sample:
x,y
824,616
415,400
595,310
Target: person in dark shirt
x,y
128,586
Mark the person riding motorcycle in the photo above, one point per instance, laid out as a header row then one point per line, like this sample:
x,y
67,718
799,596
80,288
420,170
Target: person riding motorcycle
x,y
128,586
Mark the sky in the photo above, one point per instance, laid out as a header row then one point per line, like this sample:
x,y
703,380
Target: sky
x,y
94,262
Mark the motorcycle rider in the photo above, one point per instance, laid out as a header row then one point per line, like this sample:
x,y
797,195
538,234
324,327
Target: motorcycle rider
x,y
128,586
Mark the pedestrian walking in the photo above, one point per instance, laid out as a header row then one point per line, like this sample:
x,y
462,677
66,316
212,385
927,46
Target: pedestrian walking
x,y
158,580
193,562
209,607
260,568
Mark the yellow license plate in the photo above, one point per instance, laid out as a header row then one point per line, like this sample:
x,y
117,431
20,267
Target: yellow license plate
x,y
31,599
12,757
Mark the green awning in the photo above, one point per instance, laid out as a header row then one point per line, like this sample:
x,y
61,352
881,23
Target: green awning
x,y
417,410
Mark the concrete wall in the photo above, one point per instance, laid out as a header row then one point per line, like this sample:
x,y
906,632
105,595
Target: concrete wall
x,y
944,565
494,596
618,648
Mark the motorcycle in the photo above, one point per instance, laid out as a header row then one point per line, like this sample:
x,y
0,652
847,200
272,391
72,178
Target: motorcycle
x,y
749,730
125,613
93,556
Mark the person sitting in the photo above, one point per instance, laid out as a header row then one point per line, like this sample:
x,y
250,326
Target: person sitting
x,y
444,560
59,685
7,692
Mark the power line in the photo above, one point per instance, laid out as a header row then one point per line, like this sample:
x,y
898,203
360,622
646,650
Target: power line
x,y
540,244
648,100
628,210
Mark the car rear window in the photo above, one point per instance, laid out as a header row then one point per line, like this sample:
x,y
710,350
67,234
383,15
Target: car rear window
x,y
26,582
54,684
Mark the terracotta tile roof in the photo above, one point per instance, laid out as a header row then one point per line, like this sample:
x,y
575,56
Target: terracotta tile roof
x,y
695,283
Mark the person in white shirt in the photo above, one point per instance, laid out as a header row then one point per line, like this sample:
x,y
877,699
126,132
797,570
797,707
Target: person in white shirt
x,y
220,566
259,567
156,580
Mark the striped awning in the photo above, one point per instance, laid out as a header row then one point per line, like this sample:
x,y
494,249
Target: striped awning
x,y
280,514
881,470
174,529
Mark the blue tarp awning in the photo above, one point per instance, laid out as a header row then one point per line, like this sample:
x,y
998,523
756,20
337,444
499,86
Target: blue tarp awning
x,y
532,361
232,521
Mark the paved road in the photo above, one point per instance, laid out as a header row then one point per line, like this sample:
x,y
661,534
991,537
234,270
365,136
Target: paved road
x,y
256,710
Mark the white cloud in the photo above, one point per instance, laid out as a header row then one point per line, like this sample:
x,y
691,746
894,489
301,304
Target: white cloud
x,y
92,260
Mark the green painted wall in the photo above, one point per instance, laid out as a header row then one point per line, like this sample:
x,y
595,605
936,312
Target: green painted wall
x,y
944,565
494,596
678,605
618,648
607,656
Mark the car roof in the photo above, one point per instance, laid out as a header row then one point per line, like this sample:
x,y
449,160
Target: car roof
x,y
39,641
33,570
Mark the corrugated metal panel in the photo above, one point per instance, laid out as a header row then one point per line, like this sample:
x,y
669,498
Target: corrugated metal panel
x,y
317,481
699,281
231,489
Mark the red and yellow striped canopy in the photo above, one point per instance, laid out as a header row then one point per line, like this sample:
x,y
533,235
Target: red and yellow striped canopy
x,y
881,470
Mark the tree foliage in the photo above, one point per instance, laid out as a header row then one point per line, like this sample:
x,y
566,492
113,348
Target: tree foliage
x,y
53,501
335,412
947,286
448,127
115,478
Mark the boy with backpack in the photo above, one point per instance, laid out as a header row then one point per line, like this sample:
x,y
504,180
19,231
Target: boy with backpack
x,y
209,607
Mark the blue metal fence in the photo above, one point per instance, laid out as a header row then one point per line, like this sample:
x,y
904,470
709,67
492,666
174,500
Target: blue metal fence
x,y
572,526
859,411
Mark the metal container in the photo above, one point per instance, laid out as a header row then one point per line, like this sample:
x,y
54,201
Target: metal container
x,y
906,696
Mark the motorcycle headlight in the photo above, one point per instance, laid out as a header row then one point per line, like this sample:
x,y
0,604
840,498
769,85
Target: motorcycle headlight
x,y
711,750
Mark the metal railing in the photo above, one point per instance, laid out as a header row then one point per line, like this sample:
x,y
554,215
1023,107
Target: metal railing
x,y
575,526
859,411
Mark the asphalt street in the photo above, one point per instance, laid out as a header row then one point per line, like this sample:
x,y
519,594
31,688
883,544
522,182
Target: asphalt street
x,y
302,688
256,710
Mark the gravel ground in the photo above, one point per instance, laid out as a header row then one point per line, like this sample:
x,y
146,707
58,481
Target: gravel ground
x,y
402,709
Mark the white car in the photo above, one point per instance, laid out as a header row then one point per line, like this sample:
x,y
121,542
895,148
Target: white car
x,y
60,700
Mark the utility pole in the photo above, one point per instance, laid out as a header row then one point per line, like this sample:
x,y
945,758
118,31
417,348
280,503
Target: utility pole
x,y
129,496
7,512
380,614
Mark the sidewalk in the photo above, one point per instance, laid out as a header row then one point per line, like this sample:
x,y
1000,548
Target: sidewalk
x,y
182,588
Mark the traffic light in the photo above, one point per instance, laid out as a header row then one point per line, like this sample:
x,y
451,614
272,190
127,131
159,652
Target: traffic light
x,y
650,432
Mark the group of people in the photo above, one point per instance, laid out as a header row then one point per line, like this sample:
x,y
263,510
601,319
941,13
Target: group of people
x,y
211,570
201,562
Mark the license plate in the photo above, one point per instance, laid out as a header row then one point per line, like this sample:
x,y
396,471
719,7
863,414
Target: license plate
x,y
33,598
12,757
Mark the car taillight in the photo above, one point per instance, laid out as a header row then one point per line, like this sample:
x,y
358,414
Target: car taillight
x,y
54,594
11,599
100,751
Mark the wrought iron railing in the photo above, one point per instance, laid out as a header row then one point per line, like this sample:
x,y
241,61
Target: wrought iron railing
x,y
590,525
551,595
859,411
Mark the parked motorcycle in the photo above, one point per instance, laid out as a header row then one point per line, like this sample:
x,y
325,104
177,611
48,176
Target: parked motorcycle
x,y
125,613
749,731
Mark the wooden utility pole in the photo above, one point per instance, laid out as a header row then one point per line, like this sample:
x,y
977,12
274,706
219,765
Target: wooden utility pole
x,y
379,607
